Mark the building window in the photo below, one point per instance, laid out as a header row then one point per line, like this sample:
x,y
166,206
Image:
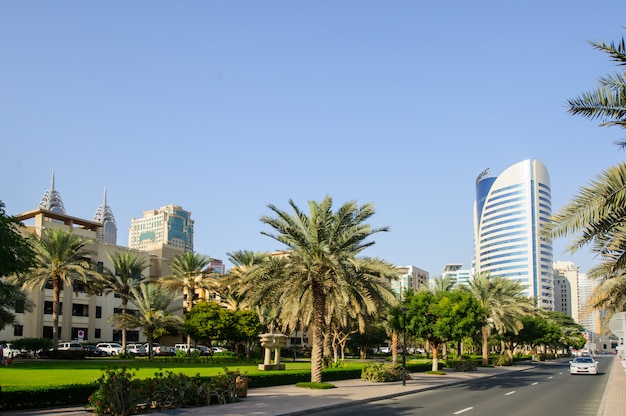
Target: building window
x,y
47,332
18,330
19,306
79,309
47,308
100,266
49,284
98,312
97,334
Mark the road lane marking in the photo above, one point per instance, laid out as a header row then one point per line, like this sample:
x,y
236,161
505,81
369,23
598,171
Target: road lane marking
x,y
550,377
509,393
462,411
535,383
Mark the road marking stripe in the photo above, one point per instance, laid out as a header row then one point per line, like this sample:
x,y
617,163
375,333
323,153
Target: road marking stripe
x,y
550,377
509,393
535,383
462,411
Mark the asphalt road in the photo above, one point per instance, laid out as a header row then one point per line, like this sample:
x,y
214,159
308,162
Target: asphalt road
x,y
547,390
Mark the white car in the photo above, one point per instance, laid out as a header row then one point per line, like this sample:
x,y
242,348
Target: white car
x,y
136,349
583,365
111,348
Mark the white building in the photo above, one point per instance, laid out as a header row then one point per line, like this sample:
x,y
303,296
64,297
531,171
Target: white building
x,y
509,211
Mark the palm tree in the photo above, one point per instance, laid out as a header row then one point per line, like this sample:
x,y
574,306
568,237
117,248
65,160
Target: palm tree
x,y
442,284
60,257
320,268
153,311
242,261
126,274
505,303
190,274
598,214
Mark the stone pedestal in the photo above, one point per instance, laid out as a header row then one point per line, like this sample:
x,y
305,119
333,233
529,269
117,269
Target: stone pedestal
x,y
272,342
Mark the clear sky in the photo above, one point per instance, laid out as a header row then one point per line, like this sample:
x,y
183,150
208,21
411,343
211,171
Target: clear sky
x,y
224,107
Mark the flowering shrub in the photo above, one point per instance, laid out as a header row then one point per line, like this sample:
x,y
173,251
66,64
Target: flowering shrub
x,y
119,394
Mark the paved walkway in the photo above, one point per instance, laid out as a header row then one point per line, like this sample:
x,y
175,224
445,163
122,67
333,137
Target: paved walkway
x,y
291,400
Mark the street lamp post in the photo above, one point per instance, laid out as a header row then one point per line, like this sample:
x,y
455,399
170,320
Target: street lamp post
x,y
404,346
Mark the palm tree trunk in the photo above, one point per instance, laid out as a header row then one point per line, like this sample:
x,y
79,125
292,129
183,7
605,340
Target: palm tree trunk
x,y
318,333
56,309
394,348
124,305
485,334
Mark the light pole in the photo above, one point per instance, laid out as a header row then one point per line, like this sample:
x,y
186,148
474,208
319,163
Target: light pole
x,y
404,346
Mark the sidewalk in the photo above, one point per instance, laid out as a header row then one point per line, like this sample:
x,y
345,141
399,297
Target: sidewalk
x,y
614,399
291,400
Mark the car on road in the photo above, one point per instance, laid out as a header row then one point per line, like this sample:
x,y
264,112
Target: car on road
x,y
583,365
111,348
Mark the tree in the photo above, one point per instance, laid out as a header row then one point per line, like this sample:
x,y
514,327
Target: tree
x,y
191,272
62,258
204,322
153,312
597,215
12,299
242,261
126,274
320,267
442,317
16,252
505,303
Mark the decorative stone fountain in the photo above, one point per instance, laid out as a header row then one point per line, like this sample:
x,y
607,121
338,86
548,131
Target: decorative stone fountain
x,y
272,342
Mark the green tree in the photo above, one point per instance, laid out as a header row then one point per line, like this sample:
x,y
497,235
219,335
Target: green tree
x,y
442,317
190,272
126,274
154,311
242,261
505,303
62,258
12,299
16,252
320,264
204,322
372,336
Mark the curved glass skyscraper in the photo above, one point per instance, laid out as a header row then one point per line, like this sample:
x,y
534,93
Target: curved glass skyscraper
x,y
509,211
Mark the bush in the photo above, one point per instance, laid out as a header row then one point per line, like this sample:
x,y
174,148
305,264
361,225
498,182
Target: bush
x,y
119,394
381,373
462,365
502,360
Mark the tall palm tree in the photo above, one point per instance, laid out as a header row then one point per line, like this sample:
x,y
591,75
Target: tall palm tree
x,y
442,284
242,261
191,272
60,257
320,268
126,274
153,311
598,214
505,303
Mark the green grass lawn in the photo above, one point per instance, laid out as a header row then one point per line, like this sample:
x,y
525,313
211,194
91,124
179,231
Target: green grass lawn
x,y
41,373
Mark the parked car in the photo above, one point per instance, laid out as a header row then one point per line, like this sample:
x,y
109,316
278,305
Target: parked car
x,y
159,349
136,349
70,346
9,352
219,349
93,351
183,347
111,348
583,365
204,350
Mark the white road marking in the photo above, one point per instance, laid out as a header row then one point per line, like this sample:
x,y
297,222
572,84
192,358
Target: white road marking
x,y
535,383
550,377
509,393
462,411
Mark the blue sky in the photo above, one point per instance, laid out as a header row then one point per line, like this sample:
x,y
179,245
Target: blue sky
x,y
226,107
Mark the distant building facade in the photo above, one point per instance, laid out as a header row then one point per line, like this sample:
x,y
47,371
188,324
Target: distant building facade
x,y
457,275
509,212
170,225
409,277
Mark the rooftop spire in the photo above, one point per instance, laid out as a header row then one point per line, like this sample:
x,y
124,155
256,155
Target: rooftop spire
x,y
51,199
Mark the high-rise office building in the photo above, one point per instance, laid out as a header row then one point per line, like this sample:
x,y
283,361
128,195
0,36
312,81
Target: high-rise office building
x,y
168,226
457,275
409,278
509,212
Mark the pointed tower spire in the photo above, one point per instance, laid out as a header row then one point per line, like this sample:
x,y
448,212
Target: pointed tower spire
x,y
51,199
104,215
